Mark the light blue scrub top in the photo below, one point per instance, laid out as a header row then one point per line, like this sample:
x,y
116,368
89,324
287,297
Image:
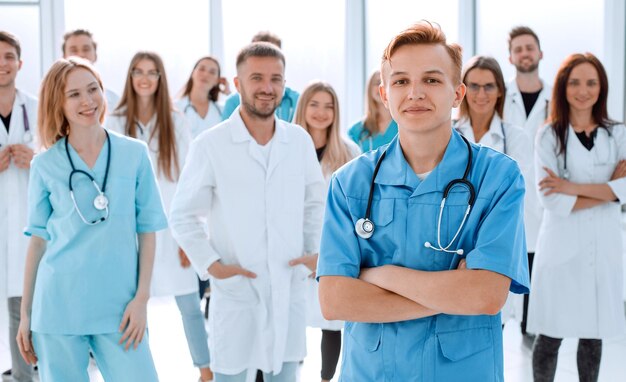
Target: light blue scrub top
x,y
285,110
367,142
404,210
88,274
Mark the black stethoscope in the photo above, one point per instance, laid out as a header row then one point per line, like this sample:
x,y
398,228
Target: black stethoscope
x,y
364,227
566,173
100,202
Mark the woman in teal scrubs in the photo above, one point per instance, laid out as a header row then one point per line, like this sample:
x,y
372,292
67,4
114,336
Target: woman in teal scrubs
x,y
376,128
91,251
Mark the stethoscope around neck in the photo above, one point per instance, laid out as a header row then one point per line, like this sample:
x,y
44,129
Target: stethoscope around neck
x,y
566,173
28,135
365,227
100,202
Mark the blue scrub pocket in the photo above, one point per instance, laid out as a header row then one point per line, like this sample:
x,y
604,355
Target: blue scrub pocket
x,y
466,355
366,335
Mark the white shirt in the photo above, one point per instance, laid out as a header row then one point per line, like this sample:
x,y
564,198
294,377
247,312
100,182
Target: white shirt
x,y
13,196
259,218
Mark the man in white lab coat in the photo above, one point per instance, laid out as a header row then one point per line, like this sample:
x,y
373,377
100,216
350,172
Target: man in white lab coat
x,y
527,106
18,126
255,179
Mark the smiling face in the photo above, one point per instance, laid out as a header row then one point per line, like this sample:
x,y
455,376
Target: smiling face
x,y
482,92
525,54
10,64
583,88
145,76
260,83
320,111
83,102
82,46
418,87
206,74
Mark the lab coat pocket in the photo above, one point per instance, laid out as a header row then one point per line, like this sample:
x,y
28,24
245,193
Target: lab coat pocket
x,y
466,355
364,334
236,289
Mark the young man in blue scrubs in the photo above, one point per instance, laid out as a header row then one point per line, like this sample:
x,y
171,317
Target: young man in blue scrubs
x,y
422,295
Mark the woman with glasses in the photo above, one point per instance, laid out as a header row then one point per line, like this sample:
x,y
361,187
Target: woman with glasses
x,y
480,121
376,128
94,208
199,96
146,112
577,281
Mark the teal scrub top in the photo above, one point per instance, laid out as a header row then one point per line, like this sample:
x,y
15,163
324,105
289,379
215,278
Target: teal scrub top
x,y
404,210
284,111
368,142
88,274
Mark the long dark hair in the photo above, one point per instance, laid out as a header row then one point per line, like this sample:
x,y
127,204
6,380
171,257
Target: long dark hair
x,y
490,64
215,90
559,111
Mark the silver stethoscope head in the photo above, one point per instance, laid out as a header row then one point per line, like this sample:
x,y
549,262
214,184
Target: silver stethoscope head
x,y
364,228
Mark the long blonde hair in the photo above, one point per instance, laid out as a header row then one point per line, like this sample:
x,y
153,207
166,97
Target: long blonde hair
x,y
129,108
52,124
337,152
372,116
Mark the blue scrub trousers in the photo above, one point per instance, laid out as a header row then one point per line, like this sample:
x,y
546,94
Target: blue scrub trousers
x,y
66,358
287,374
195,332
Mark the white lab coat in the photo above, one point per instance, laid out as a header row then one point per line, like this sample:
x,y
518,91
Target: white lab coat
x,y
169,278
13,197
577,277
260,216
518,147
515,114
315,318
197,123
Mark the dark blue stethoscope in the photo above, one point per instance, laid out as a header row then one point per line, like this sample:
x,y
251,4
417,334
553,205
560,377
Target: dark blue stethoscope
x,y
100,202
566,173
28,136
364,227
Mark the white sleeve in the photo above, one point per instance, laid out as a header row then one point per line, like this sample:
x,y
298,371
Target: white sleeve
x,y
618,186
191,207
315,192
546,157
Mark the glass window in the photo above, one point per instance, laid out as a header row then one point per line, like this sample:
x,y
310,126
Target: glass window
x,y
312,37
23,22
563,27
179,34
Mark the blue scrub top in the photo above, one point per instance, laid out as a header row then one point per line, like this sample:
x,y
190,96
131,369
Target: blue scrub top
x,y
88,274
404,210
367,142
285,110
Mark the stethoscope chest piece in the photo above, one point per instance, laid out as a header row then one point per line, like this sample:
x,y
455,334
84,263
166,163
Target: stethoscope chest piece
x,y
28,137
364,228
101,202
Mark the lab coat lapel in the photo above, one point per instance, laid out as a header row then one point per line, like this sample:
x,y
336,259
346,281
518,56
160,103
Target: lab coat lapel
x,y
240,134
280,146
14,125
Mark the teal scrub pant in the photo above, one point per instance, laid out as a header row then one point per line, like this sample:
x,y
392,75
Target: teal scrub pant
x,y
66,358
287,374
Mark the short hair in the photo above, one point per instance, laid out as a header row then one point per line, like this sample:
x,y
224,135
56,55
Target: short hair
x,y
267,36
259,49
520,31
52,123
427,33
11,40
490,64
78,32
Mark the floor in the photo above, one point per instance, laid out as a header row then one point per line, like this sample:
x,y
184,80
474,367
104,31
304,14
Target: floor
x,y
173,362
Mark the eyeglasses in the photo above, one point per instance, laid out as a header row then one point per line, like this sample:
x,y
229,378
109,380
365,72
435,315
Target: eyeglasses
x,y
490,88
152,75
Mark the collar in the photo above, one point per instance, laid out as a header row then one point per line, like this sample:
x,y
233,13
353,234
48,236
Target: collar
x,y
464,127
240,133
395,170
512,89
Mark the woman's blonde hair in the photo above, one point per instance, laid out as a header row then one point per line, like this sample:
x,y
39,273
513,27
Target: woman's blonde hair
x,y
337,152
52,124
372,116
164,127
